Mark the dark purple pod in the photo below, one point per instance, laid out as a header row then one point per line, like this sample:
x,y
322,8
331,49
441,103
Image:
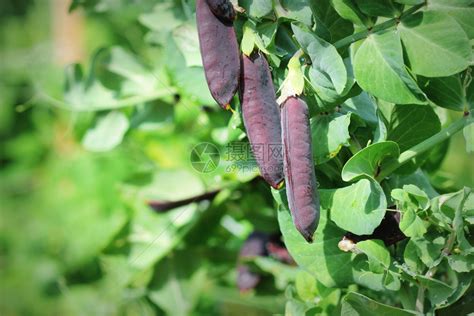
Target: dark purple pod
x,y
220,54
223,9
254,246
261,116
300,179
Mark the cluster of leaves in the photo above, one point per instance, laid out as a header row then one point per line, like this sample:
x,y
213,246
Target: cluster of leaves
x,y
382,79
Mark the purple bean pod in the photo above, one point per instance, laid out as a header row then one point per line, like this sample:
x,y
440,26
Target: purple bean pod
x,y
300,178
220,54
261,116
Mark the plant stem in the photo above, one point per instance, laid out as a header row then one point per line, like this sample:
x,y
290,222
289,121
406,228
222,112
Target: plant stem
x,y
425,145
377,28
126,102
420,299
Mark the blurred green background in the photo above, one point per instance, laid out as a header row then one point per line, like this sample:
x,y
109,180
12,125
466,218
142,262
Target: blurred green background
x,y
71,219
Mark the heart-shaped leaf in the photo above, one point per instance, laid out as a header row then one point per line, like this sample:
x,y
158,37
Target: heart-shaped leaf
x,y
326,61
359,208
366,162
329,133
447,92
107,133
461,10
380,70
438,36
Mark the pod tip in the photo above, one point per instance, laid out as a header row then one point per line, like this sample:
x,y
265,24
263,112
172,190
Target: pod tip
x,y
280,185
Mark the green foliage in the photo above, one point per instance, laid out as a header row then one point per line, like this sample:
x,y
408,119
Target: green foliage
x,y
104,210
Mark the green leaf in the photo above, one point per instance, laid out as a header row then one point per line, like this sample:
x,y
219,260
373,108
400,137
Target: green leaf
x,y
391,281
293,85
153,116
359,208
137,83
378,255
337,26
86,96
251,39
154,235
380,133
438,291
379,8
187,39
322,258
326,61
295,306
297,10
366,162
411,224
410,125
438,35
379,70
326,95
363,106
354,304
458,223
411,200
364,276
429,248
349,10
108,132
283,273
305,285
411,197
162,19
248,40
179,282
267,32
189,81
329,133
461,263
140,80
257,9
172,185
418,178
447,92
460,301
461,10
412,259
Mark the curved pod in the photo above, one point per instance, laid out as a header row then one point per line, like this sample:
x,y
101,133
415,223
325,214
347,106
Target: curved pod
x,y
261,116
219,53
300,178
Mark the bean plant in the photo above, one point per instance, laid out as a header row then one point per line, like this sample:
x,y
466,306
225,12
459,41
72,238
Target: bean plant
x,y
360,97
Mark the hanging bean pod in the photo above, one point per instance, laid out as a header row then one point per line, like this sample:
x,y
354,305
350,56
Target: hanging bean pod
x,y
261,116
300,178
219,52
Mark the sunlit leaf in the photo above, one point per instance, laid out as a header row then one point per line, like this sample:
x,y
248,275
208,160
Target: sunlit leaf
x,y
379,69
